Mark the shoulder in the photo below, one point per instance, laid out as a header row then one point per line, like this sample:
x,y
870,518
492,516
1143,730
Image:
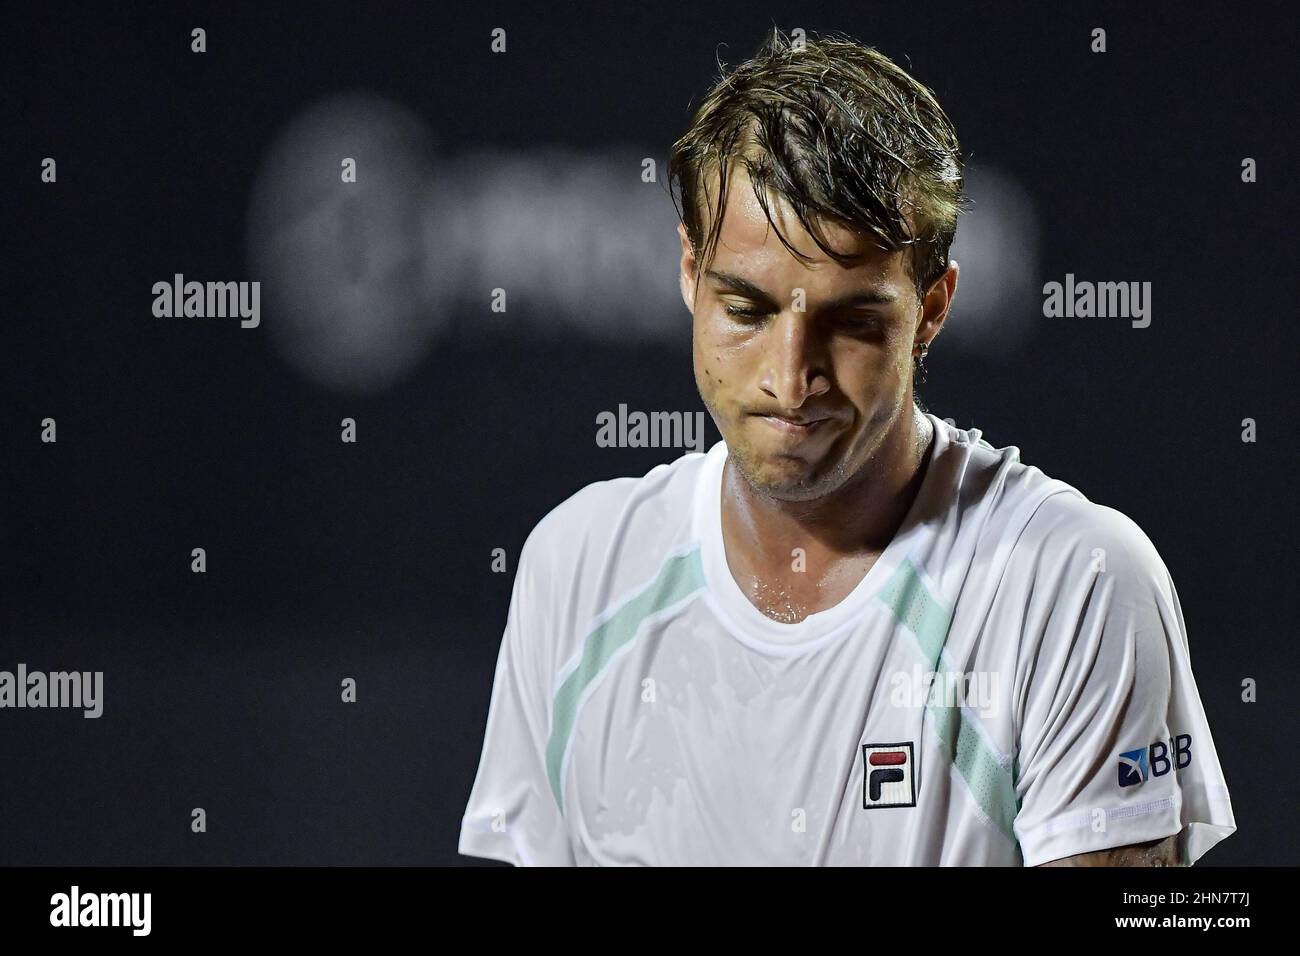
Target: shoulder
x,y
598,547
1067,530
617,521
1091,591
1054,556
1037,522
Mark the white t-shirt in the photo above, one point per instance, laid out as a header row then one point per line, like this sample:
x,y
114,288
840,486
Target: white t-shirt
x,y
1009,684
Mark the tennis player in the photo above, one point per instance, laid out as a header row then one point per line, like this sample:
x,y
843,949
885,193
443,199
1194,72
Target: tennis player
x,y
850,633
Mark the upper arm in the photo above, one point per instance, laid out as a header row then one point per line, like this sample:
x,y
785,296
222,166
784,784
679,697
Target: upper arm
x,y
1114,755
512,814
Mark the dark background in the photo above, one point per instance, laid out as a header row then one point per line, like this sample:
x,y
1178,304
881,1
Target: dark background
x,y
328,560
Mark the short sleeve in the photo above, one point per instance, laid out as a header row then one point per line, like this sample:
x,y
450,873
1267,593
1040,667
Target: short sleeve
x,y
1113,747
512,814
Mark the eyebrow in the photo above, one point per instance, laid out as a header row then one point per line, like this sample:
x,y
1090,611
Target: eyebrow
x,y
743,286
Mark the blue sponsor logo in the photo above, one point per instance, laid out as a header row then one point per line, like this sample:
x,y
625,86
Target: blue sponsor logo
x,y
1138,766
1132,767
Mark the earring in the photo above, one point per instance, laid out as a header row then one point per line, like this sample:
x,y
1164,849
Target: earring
x,y
920,362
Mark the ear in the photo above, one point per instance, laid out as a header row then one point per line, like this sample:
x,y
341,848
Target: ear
x,y
937,303
688,277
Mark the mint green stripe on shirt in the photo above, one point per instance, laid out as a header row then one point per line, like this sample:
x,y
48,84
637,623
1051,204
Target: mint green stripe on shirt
x,y
925,616
680,577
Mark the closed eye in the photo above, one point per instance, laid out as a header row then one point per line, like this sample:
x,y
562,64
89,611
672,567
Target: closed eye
x,y
744,313
857,320
849,321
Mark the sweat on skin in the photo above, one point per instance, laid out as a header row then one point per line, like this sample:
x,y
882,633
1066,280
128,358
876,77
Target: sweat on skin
x,y
805,369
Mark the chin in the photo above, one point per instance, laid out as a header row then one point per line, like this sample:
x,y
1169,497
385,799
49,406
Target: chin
x,y
789,479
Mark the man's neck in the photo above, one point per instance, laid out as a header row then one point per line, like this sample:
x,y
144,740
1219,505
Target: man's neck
x,y
858,518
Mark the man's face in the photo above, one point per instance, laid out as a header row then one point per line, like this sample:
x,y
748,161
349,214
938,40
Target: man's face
x,y
803,389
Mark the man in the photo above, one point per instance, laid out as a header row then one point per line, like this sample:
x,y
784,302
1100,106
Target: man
x,y
850,633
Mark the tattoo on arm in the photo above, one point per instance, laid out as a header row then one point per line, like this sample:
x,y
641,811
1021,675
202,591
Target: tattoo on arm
x,y
1162,852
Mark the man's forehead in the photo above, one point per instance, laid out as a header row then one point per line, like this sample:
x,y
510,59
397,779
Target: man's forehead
x,y
748,241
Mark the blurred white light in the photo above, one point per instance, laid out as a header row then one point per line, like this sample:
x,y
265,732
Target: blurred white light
x,y
997,247
340,262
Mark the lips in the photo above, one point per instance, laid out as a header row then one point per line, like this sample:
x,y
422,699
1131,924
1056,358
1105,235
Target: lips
x,y
793,426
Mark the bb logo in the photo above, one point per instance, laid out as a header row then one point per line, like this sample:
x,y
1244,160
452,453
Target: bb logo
x,y
887,779
1138,766
1132,767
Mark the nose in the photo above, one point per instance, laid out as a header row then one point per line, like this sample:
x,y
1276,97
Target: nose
x,y
795,369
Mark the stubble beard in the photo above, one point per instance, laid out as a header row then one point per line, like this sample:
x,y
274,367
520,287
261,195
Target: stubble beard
x,y
848,465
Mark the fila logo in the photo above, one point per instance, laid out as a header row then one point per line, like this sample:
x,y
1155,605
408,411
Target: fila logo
x,y
1138,766
887,778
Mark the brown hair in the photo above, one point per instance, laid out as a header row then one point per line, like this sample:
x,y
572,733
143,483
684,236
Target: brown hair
x,y
842,133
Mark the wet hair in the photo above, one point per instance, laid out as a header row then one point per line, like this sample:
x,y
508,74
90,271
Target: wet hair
x,y
842,134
